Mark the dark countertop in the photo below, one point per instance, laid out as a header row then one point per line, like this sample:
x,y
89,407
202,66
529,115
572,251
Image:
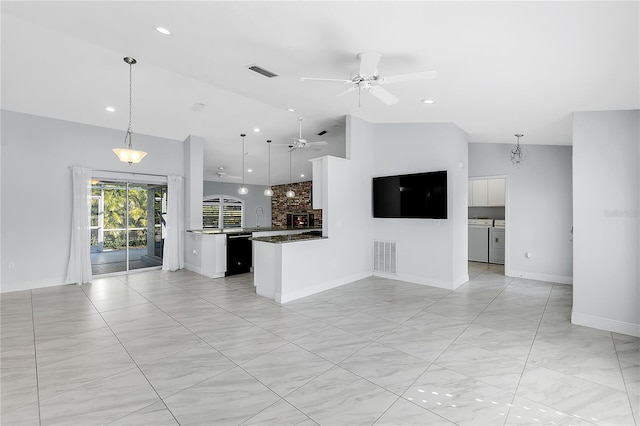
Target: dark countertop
x,y
250,230
288,238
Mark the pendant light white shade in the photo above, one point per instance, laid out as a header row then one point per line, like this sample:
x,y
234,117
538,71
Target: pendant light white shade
x,y
128,154
291,193
243,190
268,192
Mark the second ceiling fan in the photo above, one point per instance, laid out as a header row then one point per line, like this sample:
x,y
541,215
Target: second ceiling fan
x,y
366,77
300,142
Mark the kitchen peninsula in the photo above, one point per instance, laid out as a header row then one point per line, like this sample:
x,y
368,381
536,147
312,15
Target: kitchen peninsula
x,y
215,252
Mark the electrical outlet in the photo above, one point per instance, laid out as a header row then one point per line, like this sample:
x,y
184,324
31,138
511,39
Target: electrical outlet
x,y
12,265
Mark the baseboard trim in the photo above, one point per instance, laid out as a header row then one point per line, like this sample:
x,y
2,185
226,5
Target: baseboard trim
x,y
606,324
558,279
447,285
193,268
32,285
327,285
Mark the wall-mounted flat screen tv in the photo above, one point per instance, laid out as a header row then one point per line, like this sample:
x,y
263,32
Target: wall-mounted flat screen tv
x,y
414,196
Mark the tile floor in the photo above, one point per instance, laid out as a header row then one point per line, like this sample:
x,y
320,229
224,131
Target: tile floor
x,y
159,348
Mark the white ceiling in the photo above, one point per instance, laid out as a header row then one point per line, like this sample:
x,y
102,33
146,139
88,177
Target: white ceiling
x,y
503,68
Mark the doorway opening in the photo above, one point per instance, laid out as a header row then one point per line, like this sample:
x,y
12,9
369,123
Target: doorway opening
x,y
127,225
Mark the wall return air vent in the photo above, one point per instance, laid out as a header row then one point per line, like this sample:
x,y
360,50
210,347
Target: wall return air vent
x,y
385,258
262,71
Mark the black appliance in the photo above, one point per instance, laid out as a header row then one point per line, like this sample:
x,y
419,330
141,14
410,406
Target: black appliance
x,y
414,196
239,254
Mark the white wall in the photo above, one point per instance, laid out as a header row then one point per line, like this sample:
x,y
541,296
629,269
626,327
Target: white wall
x,y
312,266
606,205
432,252
37,153
539,207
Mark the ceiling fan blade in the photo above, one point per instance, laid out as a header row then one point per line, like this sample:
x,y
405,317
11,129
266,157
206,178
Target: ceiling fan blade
x,y
318,143
413,76
281,144
335,80
368,63
383,95
349,90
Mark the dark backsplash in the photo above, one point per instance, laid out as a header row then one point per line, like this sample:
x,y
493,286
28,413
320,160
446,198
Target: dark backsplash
x,y
281,205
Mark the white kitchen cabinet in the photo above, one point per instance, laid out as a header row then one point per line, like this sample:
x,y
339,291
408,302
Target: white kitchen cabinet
x,y
213,252
495,192
479,193
487,192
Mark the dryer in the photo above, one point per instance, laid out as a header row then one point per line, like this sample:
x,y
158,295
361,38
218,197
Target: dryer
x,y
496,242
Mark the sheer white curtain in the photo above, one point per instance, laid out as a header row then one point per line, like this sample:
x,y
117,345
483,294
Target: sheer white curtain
x,y
79,268
173,256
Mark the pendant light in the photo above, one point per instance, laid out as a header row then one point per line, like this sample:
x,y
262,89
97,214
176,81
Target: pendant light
x,y
243,190
128,154
269,191
290,193
518,153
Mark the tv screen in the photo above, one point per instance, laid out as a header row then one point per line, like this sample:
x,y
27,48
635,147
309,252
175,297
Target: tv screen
x,y
415,196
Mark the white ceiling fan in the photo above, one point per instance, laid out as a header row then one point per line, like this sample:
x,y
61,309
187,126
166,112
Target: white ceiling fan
x,y
300,142
223,175
366,78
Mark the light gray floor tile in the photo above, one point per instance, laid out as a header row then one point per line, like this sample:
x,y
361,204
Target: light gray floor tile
x,y
155,414
339,397
332,344
160,345
228,398
406,413
99,402
422,344
184,369
386,334
386,367
573,395
286,368
459,398
76,371
279,414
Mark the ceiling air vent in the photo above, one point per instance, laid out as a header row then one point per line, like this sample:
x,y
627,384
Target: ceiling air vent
x,y
322,133
260,70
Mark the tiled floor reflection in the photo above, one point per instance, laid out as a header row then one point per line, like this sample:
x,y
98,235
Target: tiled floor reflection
x,y
159,348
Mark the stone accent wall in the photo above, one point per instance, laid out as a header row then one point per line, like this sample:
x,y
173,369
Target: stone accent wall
x,y
301,203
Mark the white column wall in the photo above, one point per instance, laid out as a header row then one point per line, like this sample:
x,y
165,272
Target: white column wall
x,y
606,206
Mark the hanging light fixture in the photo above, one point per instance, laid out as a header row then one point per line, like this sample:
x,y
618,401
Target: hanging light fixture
x,y
243,190
269,191
290,193
518,153
128,154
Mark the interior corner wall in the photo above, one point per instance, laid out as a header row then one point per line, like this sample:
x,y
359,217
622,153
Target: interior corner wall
x,y
37,154
539,207
606,217
430,251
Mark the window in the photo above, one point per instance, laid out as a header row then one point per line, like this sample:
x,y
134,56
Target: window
x,y
221,211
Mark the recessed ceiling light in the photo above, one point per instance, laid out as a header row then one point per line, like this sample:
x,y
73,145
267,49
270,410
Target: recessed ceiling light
x,y
162,30
249,170
110,109
426,101
256,130
301,175
291,110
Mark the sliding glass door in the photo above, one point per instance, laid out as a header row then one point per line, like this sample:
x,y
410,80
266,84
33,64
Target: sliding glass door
x,y
127,225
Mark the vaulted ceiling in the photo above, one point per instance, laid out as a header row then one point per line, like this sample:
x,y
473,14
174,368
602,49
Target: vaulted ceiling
x,y
503,68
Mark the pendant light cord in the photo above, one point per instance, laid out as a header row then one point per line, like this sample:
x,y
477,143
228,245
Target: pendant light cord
x,y
128,134
243,135
269,142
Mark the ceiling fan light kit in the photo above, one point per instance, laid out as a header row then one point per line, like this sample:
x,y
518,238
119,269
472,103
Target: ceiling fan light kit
x,y
366,78
128,154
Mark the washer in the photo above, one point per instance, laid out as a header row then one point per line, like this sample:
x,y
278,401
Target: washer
x,y
496,242
479,239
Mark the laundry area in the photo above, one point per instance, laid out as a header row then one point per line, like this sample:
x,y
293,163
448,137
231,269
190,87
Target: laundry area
x,y
487,222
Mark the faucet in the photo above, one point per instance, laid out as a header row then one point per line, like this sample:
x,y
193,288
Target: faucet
x,y
259,214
